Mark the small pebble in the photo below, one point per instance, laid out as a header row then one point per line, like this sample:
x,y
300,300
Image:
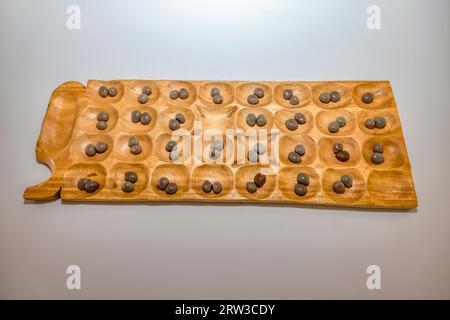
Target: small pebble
x,y
215,92
217,145
253,156
136,149
300,149
347,180
174,155
207,186
180,118
162,183
174,94
252,99
132,141
287,94
103,116
342,121
171,188
380,122
369,123
183,93
291,124
338,187
131,176
251,187
294,100
91,186
333,127
82,183
300,118
147,90
377,158
261,120
101,147
145,118
171,145
259,92
294,157
303,178
325,97
251,119
300,189
112,92
260,179
90,150
135,116
343,156
127,187
102,125
174,124
217,99
378,147
142,98
103,91
217,187
337,147
260,148
367,97
335,96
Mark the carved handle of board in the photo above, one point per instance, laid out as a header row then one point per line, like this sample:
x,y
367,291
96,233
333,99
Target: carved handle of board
x,y
54,139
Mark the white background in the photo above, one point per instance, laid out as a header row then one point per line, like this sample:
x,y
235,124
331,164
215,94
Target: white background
x,y
207,251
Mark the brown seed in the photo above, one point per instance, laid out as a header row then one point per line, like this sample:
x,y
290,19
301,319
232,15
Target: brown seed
x,y
252,99
162,183
250,119
343,156
217,99
251,187
300,189
369,123
180,118
112,92
136,149
147,90
377,158
260,179
378,147
261,120
294,157
174,94
101,147
338,187
82,183
102,125
217,187
337,147
171,145
171,188
174,124
303,178
127,187
380,122
131,176
132,141
367,97
215,92
325,97
294,100
335,96
145,118
300,118
333,127
291,124
92,186
103,91
183,93
207,186
142,98
287,94
135,116
347,180
259,92
103,116
90,150
300,149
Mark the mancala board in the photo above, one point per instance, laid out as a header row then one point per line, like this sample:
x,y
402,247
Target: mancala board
x,y
70,125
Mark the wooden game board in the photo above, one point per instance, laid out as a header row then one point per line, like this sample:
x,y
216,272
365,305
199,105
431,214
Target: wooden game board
x,y
70,124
